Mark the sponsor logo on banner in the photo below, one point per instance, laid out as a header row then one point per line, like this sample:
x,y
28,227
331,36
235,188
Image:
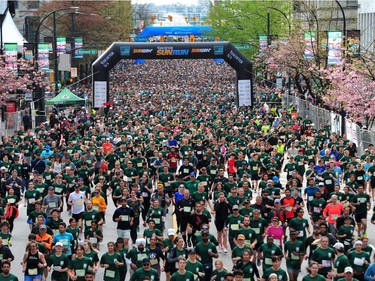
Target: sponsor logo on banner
x,y
233,55
334,47
105,61
169,51
203,50
142,51
124,50
219,50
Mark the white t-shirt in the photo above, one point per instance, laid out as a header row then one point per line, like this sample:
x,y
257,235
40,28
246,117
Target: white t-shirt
x,y
78,200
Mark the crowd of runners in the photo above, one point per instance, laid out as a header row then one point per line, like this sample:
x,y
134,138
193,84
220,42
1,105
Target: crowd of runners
x,y
173,142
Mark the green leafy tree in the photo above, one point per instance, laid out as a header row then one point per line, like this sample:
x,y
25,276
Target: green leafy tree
x,y
242,22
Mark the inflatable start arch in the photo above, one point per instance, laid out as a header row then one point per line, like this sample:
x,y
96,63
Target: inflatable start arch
x,y
161,50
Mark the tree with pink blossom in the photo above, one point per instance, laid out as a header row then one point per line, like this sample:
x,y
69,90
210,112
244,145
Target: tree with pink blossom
x,y
352,87
19,75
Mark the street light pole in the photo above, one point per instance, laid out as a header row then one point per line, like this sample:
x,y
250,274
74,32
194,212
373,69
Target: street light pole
x,y
268,29
285,16
40,24
344,22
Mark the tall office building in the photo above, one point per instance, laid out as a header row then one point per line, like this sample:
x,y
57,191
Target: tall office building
x,y
366,19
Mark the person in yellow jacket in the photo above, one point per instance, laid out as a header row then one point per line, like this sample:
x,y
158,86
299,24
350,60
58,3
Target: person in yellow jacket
x,y
98,203
280,147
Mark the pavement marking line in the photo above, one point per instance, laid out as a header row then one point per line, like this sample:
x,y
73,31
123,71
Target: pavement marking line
x,y
174,220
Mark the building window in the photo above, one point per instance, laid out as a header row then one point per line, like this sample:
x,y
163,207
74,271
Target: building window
x,y
352,4
32,5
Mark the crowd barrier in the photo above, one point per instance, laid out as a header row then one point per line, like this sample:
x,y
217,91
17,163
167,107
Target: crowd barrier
x,y
12,122
322,117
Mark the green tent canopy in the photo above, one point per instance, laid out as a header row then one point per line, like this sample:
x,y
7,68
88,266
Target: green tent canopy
x,y
66,97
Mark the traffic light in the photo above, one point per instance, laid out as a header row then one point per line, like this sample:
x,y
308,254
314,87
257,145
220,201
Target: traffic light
x,y
192,38
170,18
194,18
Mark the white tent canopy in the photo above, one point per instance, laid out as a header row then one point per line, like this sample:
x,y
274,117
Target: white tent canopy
x,y
11,33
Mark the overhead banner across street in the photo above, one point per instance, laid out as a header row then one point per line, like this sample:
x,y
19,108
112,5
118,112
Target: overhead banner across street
x,y
140,50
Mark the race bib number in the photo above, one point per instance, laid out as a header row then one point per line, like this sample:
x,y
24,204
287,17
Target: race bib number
x,y
33,271
110,273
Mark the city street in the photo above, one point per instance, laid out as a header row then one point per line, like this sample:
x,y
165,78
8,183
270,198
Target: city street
x,y
21,231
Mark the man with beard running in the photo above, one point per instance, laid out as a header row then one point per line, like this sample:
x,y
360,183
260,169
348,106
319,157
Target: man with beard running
x,y
195,222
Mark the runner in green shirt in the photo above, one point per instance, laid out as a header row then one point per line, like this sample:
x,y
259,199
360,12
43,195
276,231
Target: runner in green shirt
x,y
182,273
294,252
219,272
341,262
111,261
324,256
276,269
359,260
268,251
58,263
361,202
145,271
300,224
313,273
5,275
79,265
194,266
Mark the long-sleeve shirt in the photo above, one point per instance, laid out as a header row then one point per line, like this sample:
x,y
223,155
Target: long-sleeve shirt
x,y
99,202
370,273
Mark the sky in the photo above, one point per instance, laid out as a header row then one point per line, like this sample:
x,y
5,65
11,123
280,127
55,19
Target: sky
x,y
164,2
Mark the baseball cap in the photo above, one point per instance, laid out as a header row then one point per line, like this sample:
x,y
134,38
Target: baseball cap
x,y
192,251
241,236
146,261
170,232
235,207
348,269
275,179
59,244
43,226
293,232
358,243
321,184
338,246
192,174
51,188
277,201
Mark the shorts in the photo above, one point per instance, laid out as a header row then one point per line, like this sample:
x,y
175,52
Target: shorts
x,y
33,277
255,177
360,217
124,233
293,272
184,223
173,170
168,266
219,225
77,217
372,183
